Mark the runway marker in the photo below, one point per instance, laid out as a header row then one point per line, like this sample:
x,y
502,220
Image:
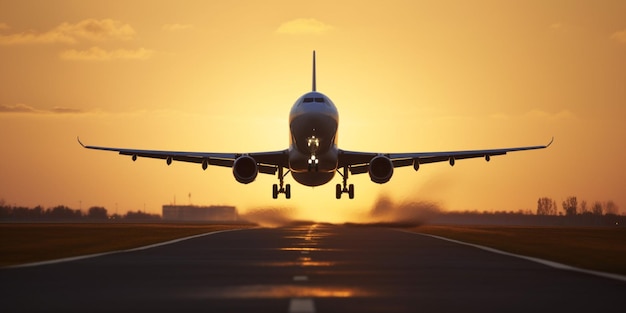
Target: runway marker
x,y
301,305
300,278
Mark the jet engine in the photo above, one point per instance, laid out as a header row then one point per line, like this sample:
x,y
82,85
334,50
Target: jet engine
x,y
245,169
380,169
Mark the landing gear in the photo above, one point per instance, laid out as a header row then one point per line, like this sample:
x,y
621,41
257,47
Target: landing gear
x,y
313,163
311,167
349,189
276,189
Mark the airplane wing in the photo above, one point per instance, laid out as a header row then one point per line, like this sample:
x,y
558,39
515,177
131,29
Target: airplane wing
x,y
358,162
267,162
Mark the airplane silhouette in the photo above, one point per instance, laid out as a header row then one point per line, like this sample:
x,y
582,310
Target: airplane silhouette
x,y
313,157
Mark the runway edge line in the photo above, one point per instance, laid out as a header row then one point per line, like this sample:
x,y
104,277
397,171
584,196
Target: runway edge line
x,y
549,263
89,256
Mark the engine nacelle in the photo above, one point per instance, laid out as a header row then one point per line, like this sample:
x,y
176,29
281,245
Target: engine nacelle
x,y
245,169
380,169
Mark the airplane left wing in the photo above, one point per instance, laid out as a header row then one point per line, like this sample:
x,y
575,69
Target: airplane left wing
x,y
267,162
358,162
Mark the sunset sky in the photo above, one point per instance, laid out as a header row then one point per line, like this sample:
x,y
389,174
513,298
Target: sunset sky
x,y
221,76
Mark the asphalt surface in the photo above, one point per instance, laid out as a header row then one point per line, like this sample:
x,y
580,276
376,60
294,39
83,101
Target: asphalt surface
x,y
310,268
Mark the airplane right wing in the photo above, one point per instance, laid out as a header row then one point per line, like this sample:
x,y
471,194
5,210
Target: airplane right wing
x,y
359,162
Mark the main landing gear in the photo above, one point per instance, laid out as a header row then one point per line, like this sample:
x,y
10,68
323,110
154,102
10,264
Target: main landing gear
x,y
286,189
349,189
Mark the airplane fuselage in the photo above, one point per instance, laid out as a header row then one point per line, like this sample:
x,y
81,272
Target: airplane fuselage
x,y
313,152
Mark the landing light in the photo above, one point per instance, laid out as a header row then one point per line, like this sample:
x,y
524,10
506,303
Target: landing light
x,y
313,141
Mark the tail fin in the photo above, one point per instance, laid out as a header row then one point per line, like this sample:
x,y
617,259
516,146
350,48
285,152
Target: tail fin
x,y
314,87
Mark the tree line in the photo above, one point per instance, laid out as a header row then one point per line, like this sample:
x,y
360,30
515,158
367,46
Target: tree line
x,y
571,207
547,213
61,212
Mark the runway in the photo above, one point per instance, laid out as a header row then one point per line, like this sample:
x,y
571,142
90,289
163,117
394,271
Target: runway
x,y
308,268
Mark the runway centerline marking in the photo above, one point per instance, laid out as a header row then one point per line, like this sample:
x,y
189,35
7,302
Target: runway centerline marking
x,y
300,278
301,305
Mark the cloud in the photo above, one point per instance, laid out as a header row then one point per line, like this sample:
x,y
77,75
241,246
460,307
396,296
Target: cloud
x,y
619,36
543,115
64,110
99,54
17,108
24,108
304,26
4,26
68,33
556,25
176,27
537,114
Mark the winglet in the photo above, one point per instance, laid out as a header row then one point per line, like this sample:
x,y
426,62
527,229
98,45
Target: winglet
x,y
78,138
551,141
314,87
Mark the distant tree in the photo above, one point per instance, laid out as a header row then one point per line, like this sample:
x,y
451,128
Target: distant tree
x,y
546,206
570,206
98,213
583,207
141,216
596,208
5,211
21,213
38,212
611,207
63,212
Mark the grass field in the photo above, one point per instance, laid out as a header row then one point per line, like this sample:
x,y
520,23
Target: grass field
x,y
595,248
24,243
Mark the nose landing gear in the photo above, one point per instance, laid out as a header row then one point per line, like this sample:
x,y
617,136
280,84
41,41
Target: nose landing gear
x,y
313,143
313,163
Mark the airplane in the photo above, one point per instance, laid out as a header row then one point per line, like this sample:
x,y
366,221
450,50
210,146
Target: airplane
x,y
313,156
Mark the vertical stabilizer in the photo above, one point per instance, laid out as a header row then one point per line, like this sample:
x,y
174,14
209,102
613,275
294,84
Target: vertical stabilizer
x,y
314,87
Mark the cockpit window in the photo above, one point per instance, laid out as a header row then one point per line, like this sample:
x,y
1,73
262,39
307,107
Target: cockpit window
x,y
314,99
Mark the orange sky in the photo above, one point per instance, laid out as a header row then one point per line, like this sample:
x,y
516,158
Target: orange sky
x,y
405,76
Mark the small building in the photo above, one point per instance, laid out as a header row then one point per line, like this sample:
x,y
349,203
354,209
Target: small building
x,y
199,213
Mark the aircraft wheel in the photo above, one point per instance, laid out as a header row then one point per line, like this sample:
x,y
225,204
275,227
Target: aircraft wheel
x,y
275,191
288,191
351,191
338,191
